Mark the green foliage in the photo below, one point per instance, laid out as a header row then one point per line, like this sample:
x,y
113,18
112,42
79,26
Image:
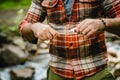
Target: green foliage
x,y
10,25
12,29
17,20
14,4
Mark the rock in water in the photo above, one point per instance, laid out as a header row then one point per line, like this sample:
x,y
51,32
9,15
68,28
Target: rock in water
x,y
3,39
22,74
11,55
18,41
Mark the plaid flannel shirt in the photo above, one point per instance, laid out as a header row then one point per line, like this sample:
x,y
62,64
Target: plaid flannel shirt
x,y
73,55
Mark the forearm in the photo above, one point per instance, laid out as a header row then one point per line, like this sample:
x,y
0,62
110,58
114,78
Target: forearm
x,y
113,25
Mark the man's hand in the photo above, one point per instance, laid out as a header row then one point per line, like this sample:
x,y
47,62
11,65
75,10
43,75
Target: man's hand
x,y
43,31
89,27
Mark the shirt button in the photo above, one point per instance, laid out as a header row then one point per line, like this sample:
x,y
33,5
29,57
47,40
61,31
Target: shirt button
x,y
71,44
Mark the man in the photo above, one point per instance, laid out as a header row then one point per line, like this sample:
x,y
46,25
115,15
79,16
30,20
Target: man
x,y
76,32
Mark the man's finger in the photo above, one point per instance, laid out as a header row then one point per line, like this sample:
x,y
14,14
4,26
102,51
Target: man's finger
x,y
86,30
79,25
53,32
90,33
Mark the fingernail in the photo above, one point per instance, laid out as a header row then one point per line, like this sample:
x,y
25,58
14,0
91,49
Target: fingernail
x,y
75,30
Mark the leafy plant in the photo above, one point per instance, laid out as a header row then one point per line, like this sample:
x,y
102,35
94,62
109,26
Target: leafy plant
x,y
17,20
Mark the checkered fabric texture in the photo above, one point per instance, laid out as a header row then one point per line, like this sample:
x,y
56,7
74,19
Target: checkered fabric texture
x,y
74,55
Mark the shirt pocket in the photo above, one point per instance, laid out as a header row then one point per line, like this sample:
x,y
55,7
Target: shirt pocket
x,y
49,3
54,12
88,1
89,8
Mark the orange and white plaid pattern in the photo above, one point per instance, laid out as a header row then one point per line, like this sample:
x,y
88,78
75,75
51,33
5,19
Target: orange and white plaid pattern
x,y
74,55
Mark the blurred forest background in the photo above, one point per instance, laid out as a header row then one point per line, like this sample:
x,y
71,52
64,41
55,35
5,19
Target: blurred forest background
x,y
20,60
11,13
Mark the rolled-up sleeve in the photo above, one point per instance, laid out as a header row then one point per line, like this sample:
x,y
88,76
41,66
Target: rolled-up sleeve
x,y
36,13
111,8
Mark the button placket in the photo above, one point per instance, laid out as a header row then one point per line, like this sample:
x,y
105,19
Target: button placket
x,y
71,42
